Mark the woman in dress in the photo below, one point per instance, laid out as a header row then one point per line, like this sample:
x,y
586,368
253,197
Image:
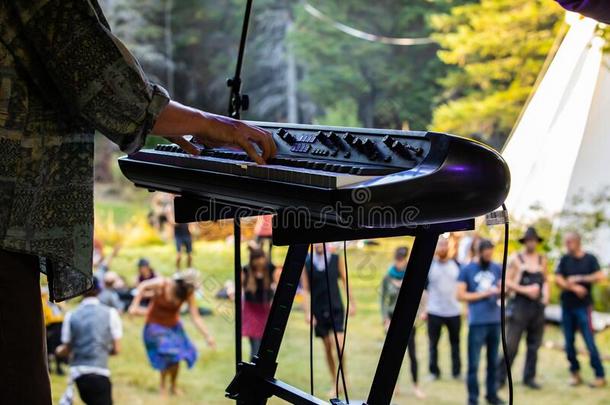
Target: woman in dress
x,y
164,337
257,282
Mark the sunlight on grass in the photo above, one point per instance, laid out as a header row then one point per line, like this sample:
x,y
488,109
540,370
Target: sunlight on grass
x,y
135,382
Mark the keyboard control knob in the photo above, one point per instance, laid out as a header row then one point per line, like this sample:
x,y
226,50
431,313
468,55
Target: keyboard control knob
x,y
287,136
388,141
349,138
401,150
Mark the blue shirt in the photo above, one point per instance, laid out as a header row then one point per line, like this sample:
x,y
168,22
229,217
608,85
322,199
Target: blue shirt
x,y
487,310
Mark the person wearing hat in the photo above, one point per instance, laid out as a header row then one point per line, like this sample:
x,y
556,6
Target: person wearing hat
x,y
90,334
390,287
526,281
479,286
575,275
166,341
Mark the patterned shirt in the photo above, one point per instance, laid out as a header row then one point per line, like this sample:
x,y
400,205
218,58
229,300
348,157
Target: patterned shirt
x,y
62,76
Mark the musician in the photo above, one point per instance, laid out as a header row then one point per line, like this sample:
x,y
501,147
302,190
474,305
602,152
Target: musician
x,y
63,74
328,313
596,9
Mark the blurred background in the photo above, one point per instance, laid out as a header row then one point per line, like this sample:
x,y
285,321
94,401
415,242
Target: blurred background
x,y
466,67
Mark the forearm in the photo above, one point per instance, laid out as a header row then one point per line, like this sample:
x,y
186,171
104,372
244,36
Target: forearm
x,y
562,283
201,326
596,277
472,296
176,120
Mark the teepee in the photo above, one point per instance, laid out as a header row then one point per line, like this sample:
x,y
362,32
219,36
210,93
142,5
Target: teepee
x,y
559,147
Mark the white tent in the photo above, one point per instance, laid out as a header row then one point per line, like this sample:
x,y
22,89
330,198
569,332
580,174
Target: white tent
x,y
559,147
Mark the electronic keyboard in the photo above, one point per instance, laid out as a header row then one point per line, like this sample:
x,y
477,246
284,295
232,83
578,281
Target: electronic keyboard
x,y
353,177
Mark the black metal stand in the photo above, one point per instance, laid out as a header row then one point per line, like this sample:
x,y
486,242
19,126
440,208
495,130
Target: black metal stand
x,y
403,318
255,382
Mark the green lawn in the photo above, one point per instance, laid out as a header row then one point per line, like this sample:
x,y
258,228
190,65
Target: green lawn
x,y
135,382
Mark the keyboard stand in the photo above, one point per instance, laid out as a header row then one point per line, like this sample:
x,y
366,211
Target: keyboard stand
x,y
255,382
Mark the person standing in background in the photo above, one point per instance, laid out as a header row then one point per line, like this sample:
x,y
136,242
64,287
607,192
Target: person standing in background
x,y
390,287
320,281
443,308
526,279
257,282
53,320
263,230
90,334
576,273
478,286
183,239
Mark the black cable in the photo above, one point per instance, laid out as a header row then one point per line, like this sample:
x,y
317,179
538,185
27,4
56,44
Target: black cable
x,y
237,294
311,320
346,318
332,321
509,374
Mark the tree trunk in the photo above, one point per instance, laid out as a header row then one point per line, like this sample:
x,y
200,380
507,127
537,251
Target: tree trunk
x,y
292,104
169,46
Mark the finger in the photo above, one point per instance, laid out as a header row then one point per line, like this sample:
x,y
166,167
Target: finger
x,y
249,149
268,135
187,146
263,141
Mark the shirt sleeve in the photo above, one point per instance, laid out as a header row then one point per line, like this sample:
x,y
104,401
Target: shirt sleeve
x,y
97,78
66,334
116,327
463,276
595,267
596,9
561,267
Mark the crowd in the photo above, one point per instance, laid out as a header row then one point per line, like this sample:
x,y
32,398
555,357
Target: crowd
x,y
461,279
477,282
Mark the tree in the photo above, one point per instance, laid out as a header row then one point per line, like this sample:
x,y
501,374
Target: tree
x,y
497,48
386,85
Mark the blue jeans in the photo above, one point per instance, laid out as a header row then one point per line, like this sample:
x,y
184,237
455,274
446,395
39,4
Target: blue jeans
x,y
574,319
478,337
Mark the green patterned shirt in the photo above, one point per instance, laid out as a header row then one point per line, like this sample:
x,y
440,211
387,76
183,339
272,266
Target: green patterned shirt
x,y
62,76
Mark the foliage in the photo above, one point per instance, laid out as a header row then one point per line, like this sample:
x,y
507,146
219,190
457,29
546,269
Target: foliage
x,y
392,86
497,49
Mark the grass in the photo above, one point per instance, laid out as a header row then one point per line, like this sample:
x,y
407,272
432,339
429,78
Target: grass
x,y
135,382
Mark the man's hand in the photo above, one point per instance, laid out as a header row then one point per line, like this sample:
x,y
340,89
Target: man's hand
x,y
579,290
309,318
177,120
532,291
225,131
211,342
62,351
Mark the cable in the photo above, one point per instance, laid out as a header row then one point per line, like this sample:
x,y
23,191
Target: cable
x,y
311,320
509,374
332,321
346,318
356,33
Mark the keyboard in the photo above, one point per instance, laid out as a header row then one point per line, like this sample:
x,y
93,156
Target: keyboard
x,y
329,171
